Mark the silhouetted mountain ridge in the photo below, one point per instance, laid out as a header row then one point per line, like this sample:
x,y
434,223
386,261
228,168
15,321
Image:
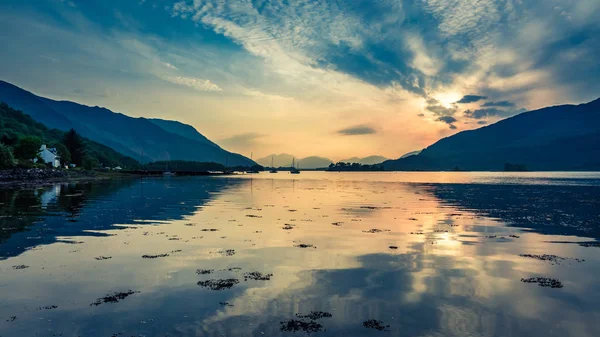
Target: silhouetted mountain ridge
x,y
564,137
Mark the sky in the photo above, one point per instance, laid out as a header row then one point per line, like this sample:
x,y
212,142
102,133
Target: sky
x,y
308,77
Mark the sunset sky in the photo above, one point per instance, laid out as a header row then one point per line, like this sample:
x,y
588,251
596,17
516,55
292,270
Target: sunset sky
x,y
320,77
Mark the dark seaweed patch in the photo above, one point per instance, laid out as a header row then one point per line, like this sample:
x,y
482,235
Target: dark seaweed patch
x,y
304,245
543,282
154,256
294,325
393,247
375,324
204,271
114,298
590,244
287,226
315,315
48,307
226,304
253,216
375,207
232,269
227,252
21,266
209,230
257,276
221,284
100,258
375,230
514,236
552,259
339,223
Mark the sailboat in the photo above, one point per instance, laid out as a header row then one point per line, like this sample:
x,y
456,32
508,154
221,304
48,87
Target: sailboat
x,y
227,170
294,170
251,170
273,170
167,172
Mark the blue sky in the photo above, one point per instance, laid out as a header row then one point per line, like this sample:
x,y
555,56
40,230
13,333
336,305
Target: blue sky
x,y
291,76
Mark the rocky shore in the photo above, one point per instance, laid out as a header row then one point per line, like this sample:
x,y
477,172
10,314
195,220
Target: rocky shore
x,y
42,176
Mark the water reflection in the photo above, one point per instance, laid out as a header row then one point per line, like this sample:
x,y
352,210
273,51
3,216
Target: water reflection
x,y
455,269
39,217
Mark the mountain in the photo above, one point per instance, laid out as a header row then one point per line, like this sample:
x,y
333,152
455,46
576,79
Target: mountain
x,y
366,160
412,153
285,160
314,162
565,137
157,139
181,129
279,160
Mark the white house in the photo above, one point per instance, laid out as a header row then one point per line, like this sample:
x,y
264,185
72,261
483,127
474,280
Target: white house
x,y
49,155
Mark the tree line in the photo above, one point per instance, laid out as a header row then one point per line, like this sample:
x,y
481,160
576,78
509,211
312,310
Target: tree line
x,y
341,166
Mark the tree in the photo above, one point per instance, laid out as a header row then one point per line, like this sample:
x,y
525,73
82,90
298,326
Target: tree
x,y
90,163
74,144
28,148
63,153
6,157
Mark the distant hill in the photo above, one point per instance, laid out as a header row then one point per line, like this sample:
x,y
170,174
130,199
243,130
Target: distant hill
x,y
314,162
157,139
279,160
565,137
366,160
285,160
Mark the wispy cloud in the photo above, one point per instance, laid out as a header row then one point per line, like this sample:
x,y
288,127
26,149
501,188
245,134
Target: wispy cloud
x,y
261,95
169,65
196,83
471,99
243,141
491,112
357,130
504,104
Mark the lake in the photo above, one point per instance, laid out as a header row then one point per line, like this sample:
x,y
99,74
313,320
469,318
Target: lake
x,y
325,254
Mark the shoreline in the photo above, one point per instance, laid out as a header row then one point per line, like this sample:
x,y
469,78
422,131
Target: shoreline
x,y
34,177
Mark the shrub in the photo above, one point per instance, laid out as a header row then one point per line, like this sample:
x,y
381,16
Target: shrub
x,y
7,160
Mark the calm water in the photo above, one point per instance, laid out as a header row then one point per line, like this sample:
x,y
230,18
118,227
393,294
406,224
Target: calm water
x,y
423,254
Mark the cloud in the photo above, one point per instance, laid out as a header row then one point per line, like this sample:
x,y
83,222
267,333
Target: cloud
x,y
448,120
438,109
503,104
357,130
196,83
246,140
471,99
169,65
261,95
